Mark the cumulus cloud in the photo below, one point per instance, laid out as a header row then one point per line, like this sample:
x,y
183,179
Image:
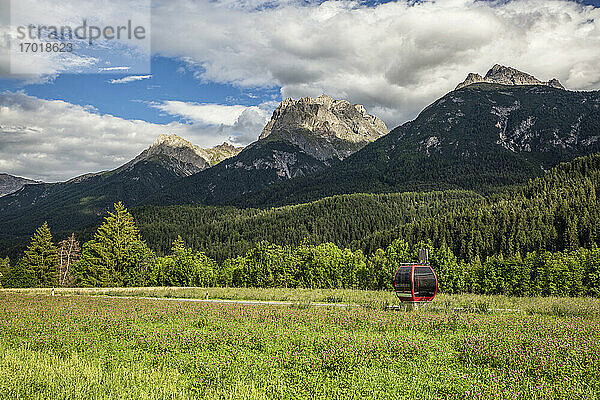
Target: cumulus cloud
x,y
242,124
395,57
131,78
54,140
209,114
250,124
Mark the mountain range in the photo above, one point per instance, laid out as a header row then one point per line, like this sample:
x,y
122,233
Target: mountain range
x,y
490,133
303,137
82,201
482,137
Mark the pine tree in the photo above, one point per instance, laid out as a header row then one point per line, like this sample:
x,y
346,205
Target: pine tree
x,y
40,261
117,255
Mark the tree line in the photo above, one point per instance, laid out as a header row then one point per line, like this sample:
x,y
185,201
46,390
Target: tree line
x,y
117,255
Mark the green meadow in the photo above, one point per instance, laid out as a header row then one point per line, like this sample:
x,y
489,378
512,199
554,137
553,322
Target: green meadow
x,y
98,344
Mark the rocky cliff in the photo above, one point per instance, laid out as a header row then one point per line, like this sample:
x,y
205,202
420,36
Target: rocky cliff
x,y
184,157
303,137
323,127
502,75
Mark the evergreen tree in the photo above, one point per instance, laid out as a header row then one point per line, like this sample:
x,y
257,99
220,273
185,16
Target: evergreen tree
x,y
449,271
384,264
18,276
591,280
117,255
4,271
40,262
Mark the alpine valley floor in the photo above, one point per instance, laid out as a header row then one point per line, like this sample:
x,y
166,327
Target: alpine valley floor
x,y
85,347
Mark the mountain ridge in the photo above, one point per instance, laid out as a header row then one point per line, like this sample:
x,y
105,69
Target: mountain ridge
x,y
83,200
509,76
186,158
303,137
483,137
10,183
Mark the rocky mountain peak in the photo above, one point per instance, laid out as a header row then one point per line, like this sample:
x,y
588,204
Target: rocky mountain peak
x,y
182,156
212,155
221,152
324,127
225,147
172,141
555,83
503,75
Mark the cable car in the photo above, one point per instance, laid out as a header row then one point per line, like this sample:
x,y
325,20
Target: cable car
x,y
415,283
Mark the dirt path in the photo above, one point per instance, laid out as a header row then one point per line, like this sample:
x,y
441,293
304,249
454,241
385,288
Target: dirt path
x,y
220,301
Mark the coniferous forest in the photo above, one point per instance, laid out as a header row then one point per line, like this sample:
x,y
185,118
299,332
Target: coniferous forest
x,y
537,239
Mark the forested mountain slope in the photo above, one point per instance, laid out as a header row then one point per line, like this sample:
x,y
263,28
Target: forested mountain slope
x,y
224,232
10,184
555,212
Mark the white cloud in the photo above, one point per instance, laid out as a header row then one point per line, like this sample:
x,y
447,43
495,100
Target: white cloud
x,y
54,140
114,69
395,58
214,114
208,114
250,123
131,78
81,57
242,124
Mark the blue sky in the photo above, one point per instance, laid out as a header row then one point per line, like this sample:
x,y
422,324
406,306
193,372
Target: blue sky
x,y
171,79
219,68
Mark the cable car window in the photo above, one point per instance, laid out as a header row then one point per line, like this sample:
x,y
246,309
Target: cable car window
x,y
403,281
424,282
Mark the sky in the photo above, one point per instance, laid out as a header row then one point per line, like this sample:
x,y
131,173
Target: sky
x,y
214,71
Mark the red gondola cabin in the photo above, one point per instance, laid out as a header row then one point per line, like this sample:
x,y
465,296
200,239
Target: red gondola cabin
x,y
415,282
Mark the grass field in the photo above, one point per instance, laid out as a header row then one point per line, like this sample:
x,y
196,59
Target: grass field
x,y
83,347
556,306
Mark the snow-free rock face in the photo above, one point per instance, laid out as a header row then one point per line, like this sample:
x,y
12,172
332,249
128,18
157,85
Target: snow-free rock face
x,y
10,184
303,137
323,127
471,78
502,75
183,157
